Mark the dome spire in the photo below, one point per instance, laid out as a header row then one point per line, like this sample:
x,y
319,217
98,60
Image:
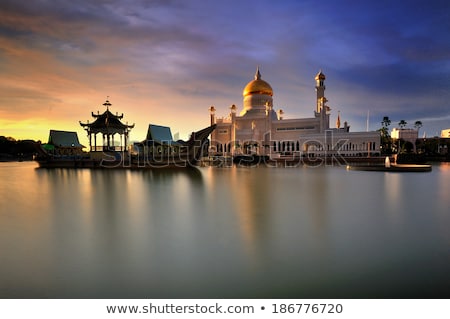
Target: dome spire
x,y
338,121
257,74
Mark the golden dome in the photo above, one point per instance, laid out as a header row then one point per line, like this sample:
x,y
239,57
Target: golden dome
x,y
258,86
320,76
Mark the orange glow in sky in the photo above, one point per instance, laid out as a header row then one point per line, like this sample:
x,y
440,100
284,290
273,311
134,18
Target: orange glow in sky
x,y
166,63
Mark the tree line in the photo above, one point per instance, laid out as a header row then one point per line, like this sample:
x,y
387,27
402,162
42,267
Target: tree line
x,y
434,147
12,149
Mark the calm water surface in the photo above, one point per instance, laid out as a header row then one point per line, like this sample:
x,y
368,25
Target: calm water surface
x,y
224,233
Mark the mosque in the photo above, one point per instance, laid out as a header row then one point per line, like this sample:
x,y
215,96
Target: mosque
x,y
260,129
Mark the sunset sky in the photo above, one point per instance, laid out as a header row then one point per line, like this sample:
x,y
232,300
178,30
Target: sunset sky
x,y
167,61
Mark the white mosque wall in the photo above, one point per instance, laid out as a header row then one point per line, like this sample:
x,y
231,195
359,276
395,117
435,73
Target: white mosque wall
x,y
259,130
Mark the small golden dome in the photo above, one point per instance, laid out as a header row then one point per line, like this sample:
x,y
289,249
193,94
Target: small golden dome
x,y
320,76
258,86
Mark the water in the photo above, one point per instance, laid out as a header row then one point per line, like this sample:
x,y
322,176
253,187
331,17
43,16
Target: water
x,y
224,233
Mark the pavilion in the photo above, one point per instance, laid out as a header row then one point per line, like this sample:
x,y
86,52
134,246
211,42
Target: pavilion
x,y
107,124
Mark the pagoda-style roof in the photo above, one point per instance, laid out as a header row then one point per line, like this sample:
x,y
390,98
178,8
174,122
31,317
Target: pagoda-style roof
x,y
159,134
106,122
64,139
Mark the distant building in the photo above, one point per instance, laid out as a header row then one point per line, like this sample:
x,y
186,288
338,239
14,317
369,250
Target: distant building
x,y
445,133
158,137
406,134
63,143
259,129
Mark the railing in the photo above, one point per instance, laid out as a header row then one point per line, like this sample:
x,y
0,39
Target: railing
x,y
107,149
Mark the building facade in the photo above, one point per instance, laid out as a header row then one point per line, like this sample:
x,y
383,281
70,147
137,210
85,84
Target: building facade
x,y
406,134
260,129
445,133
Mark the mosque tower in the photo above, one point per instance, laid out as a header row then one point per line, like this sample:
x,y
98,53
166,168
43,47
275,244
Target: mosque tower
x,y
322,109
320,90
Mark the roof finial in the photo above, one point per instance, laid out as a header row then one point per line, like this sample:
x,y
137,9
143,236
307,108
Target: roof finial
x,y
320,75
107,104
257,74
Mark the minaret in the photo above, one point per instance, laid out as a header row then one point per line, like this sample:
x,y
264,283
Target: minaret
x,y
320,90
267,133
233,110
212,114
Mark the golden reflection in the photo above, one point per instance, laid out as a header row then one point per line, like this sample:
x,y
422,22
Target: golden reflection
x,y
255,204
252,197
238,195
392,189
443,184
317,184
444,166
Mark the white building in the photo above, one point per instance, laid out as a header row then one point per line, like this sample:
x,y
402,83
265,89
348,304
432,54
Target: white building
x,y
406,134
260,129
445,133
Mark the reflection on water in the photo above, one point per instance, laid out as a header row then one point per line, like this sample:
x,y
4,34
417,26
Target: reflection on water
x,y
223,232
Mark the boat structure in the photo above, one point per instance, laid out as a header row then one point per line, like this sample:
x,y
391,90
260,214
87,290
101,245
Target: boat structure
x,y
158,150
391,167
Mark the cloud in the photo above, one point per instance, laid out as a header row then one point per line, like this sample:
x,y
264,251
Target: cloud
x,y
167,60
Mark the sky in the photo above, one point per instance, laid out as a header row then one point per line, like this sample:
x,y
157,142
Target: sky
x,y
167,61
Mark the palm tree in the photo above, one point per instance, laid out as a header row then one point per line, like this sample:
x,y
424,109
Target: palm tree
x,y
386,122
402,123
417,126
386,142
385,126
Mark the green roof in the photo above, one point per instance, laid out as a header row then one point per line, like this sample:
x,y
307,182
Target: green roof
x,y
159,134
64,139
